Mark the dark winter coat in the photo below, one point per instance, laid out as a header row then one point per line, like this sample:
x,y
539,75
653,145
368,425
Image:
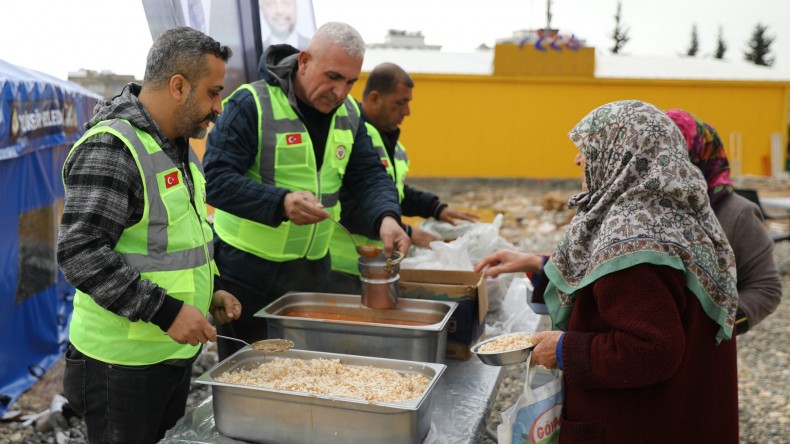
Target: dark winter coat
x,y
642,366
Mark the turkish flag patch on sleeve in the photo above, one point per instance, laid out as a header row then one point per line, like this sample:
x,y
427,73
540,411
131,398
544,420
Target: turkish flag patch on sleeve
x,y
171,179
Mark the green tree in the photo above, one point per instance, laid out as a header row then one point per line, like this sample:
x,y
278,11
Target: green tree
x,y
721,47
760,47
620,33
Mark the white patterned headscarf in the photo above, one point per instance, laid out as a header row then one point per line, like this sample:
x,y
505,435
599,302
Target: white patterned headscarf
x,y
645,203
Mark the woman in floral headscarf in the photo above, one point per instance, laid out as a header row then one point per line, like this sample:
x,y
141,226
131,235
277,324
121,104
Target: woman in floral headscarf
x,y
642,285
759,286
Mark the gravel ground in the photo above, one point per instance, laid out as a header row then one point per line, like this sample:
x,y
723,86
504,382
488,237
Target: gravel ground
x,y
764,361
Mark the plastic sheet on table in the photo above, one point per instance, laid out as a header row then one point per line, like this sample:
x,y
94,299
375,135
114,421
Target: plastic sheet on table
x,y
196,428
459,408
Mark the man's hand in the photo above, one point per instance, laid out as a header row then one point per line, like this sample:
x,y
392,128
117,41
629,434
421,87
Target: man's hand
x,y
224,307
393,236
509,261
191,327
452,216
422,238
302,208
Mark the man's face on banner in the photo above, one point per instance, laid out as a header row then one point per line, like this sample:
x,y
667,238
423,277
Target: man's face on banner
x,y
280,15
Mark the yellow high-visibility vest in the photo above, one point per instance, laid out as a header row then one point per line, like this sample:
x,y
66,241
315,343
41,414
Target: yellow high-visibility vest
x,y
286,159
171,246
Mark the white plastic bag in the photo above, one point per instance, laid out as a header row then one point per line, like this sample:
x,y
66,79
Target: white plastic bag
x,y
513,313
477,241
524,319
497,289
535,417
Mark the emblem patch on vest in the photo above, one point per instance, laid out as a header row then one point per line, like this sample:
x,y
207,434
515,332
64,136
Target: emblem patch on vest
x,y
293,139
171,179
385,162
340,152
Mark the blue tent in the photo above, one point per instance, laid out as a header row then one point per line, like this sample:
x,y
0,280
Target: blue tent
x,y
40,118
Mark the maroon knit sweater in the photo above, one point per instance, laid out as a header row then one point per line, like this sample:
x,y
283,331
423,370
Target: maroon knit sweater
x,y
642,366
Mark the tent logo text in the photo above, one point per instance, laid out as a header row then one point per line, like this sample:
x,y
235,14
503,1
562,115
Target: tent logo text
x,y
37,119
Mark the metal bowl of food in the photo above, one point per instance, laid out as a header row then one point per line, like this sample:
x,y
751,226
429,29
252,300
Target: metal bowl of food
x,y
511,348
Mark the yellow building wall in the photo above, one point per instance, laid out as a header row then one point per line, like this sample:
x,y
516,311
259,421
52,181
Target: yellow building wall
x,y
514,60
516,127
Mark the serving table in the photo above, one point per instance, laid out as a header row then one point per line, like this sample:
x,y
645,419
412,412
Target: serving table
x,y
461,401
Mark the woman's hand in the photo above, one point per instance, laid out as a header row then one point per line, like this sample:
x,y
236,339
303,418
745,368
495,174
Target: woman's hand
x,y
509,261
224,307
545,352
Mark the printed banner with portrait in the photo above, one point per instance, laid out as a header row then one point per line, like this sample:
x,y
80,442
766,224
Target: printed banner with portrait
x,y
289,22
246,26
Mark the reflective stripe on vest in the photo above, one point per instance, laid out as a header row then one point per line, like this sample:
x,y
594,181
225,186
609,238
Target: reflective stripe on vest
x,y
286,159
170,246
344,255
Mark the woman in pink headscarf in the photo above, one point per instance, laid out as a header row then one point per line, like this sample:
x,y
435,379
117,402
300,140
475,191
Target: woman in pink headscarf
x,y
759,287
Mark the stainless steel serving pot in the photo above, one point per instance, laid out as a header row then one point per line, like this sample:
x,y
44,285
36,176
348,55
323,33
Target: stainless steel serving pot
x,y
379,277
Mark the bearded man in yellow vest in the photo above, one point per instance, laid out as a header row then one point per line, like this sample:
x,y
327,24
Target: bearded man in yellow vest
x,y
385,103
275,163
135,242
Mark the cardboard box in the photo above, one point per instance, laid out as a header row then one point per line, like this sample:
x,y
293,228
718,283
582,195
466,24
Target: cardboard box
x,y
467,288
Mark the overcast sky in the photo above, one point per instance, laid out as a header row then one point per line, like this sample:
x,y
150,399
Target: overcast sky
x,y
58,36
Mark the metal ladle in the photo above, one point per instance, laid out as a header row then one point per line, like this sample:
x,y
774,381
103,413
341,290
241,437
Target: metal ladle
x,y
362,250
265,345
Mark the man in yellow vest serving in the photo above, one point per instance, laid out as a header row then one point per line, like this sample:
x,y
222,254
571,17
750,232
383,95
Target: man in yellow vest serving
x,y
135,242
385,103
275,163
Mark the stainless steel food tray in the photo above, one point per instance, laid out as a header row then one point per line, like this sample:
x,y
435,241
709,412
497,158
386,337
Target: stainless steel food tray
x,y
266,415
424,343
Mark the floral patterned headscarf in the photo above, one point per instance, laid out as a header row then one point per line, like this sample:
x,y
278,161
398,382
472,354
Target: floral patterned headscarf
x,y
706,152
645,203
